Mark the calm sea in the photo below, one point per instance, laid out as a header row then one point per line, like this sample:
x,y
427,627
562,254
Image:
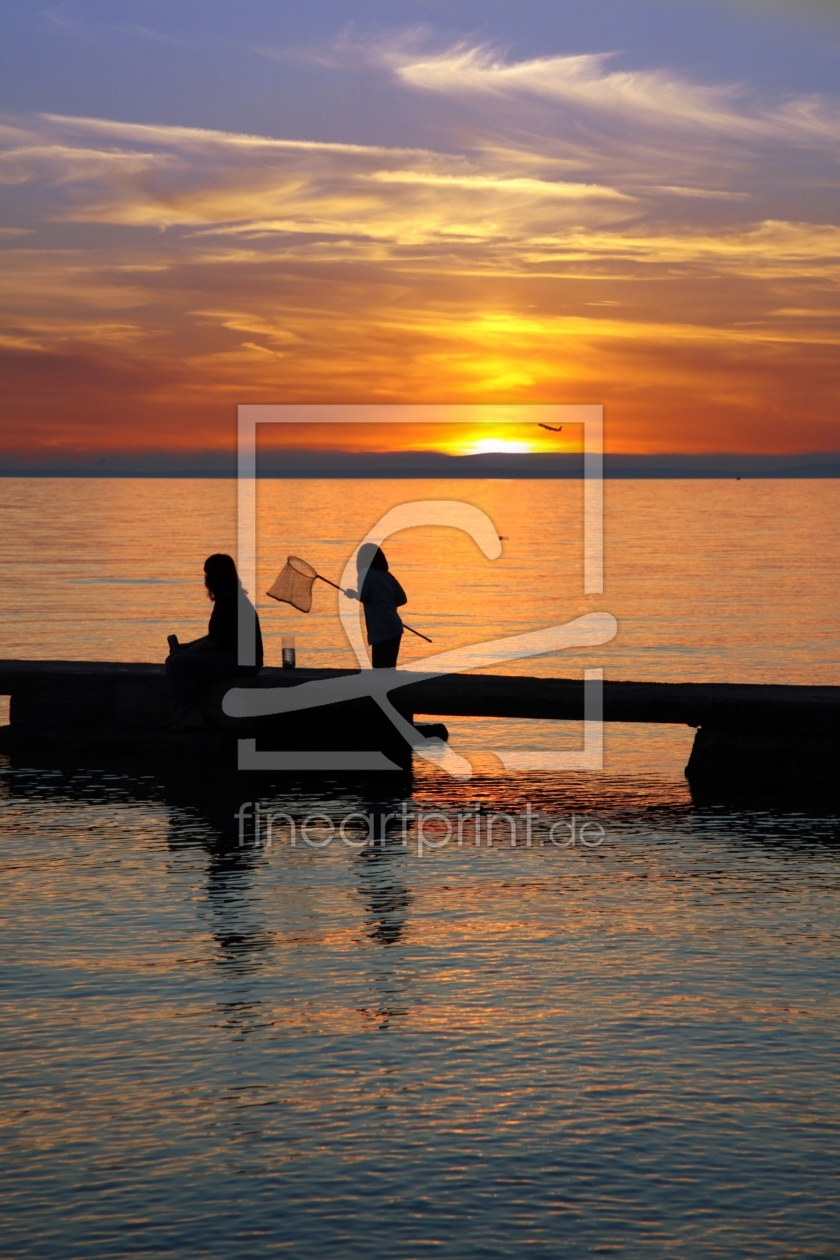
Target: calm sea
x,y
626,1047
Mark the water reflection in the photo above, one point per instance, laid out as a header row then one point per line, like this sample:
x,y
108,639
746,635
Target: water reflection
x,y
202,812
301,1035
240,1017
385,895
380,870
380,867
234,905
203,803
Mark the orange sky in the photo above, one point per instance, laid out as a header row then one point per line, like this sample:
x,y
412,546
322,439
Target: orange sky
x,y
568,234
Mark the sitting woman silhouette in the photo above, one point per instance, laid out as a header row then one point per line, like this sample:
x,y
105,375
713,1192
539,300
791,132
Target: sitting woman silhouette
x,y
381,596
216,655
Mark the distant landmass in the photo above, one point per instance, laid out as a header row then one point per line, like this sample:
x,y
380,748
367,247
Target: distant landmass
x,y
427,464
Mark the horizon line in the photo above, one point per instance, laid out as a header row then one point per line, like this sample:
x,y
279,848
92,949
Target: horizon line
x,y
302,464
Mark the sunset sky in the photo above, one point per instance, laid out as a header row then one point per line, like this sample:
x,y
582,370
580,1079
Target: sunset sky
x,y
631,203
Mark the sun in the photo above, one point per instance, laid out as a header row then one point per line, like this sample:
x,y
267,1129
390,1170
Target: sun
x,y
497,446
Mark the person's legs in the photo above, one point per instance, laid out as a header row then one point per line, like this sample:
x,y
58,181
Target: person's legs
x,y
384,655
186,670
182,688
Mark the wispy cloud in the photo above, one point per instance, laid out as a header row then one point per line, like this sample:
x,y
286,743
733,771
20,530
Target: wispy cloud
x,y
580,80
184,177
200,138
62,163
706,194
652,98
532,188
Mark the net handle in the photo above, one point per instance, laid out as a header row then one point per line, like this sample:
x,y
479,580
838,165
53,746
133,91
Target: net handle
x,y
405,627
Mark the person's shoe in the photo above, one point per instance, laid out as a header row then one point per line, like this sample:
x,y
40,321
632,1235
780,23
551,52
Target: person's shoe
x,y
192,720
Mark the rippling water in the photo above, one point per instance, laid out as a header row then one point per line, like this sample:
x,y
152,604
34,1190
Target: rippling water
x,y
627,1047
213,1050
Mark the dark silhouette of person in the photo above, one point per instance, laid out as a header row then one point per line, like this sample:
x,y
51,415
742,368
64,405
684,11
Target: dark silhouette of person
x,y
381,596
216,655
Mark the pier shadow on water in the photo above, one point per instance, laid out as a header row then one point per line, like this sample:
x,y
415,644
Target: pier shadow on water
x,y
206,798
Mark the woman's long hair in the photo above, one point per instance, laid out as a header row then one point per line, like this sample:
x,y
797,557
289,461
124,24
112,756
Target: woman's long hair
x,y
371,557
220,576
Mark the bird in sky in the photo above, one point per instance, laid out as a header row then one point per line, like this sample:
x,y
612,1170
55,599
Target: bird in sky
x,y
552,428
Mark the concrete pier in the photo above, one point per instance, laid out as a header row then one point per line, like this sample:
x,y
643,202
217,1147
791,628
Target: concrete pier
x,y
747,734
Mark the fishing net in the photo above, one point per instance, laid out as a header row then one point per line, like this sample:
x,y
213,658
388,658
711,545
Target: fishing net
x,y
294,585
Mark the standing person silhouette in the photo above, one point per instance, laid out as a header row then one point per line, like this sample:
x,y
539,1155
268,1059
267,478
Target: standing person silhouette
x,y
381,595
216,655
